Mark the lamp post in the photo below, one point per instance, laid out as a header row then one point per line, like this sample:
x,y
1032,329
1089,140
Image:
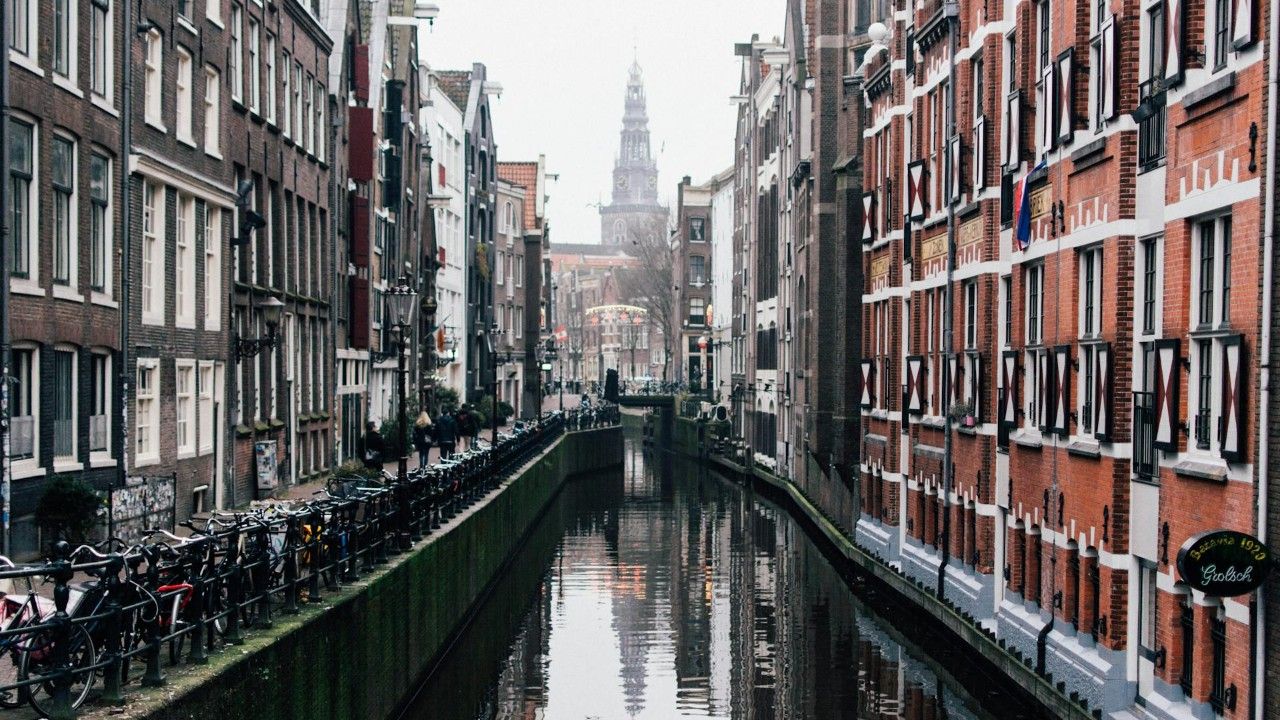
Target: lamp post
x,y
400,304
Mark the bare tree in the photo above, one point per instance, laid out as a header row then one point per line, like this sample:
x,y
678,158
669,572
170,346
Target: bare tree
x,y
652,284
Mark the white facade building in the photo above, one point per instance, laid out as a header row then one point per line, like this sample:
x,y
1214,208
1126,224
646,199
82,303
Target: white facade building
x,y
443,121
721,330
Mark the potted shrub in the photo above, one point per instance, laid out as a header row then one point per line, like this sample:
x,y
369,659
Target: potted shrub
x,y
962,412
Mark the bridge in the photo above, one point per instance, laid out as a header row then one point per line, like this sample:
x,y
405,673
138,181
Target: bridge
x,y
647,401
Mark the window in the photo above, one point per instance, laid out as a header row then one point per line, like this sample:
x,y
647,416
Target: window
x,y
971,314
697,311
205,425
184,96
101,55
979,88
297,102
22,26
1150,284
213,11
100,382
253,66
64,231
499,269
152,253
320,130
237,53
1043,42
518,273
1034,279
22,214
184,9
26,405
697,270
287,125
1213,270
64,37
1091,293
1221,32
1006,291
1218,694
184,263
100,257
184,406
308,117
64,404
212,268
212,117
147,410
271,78
153,77
697,230
1155,41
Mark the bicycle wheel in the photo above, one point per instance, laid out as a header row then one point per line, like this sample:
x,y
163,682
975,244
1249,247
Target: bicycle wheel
x,y
83,655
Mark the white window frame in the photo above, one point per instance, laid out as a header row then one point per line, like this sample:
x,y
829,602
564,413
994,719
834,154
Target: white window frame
x,y
66,462
252,65
184,407
299,136
30,466
1033,413
71,25
102,59
31,283
519,271
269,112
235,59
102,250
67,287
153,252
153,80
100,458
184,263
286,120
212,267
147,413
184,97
1089,268
1033,314
971,315
309,115
1219,311
319,121
27,57
212,112
213,12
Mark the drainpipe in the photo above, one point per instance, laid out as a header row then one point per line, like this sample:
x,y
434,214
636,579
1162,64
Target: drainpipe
x,y
1264,352
6,356
952,11
126,245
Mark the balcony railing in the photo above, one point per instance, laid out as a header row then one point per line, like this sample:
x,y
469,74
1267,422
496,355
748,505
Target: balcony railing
x,y
22,437
1145,461
1151,128
1202,425
99,429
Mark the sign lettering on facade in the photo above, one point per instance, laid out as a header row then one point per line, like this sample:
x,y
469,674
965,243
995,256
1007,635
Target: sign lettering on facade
x,y
933,247
1224,563
970,232
1040,201
880,268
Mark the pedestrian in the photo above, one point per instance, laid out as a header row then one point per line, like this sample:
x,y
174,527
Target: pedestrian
x,y
446,431
466,425
422,438
374,447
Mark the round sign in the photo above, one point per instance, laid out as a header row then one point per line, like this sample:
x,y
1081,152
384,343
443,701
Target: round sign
x,y
1224,563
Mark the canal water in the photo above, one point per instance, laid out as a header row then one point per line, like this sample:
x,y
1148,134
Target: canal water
x,y
664,591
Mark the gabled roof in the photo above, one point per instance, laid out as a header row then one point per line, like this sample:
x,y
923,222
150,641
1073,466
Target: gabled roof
x,y
525,175
456,85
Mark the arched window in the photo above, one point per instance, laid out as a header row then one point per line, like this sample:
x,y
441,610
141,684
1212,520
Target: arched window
x,y
619,232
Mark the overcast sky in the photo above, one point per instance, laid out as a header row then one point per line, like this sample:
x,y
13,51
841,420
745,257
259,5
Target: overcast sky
x,y
563,68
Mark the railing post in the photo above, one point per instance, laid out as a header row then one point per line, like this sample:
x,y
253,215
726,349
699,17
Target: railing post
x,y
198,654
314,545
112,692
290,566
235,589
61,572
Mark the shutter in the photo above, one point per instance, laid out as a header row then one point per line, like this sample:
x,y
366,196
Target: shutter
x,y
1009,378
359,320
953,169
1108,72
1174,21
911,52
1013,130
1043,384
1066,96
915,189
915,384
1046,113
1168,363
1102,392
360,144
979,165
868,216
950,376
360,73
1242,35
1231,429
359,231
974,384
1062,390
865,379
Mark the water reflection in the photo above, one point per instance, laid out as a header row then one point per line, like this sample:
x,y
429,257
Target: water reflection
x,y
664,592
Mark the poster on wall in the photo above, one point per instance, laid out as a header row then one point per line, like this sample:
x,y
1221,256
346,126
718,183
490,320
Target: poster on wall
x,y
264,458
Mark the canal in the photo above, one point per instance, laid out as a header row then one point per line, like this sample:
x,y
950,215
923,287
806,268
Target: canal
x,y
663,591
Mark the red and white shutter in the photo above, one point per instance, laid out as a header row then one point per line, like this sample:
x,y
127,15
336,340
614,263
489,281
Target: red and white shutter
x,y
1066,96
973,384
1102,392
915,189
867,379
915,384
1109,72
1168,363
1013,128
1008,379
868,215
979,164
1175,38
1043,390
1231,428
1062,390
953,381
1242,27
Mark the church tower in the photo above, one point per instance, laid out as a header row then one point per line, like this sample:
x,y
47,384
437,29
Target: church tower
x,y
634,208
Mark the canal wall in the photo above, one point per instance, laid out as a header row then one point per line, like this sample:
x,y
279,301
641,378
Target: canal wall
x,y
359,653
955,621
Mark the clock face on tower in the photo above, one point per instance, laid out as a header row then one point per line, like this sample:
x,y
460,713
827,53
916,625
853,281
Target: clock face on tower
x,y
621,182
653,182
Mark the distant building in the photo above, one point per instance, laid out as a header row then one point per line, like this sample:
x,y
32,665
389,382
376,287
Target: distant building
x,y
634,211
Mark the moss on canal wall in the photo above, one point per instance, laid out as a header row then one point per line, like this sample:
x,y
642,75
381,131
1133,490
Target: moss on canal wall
x,y
357,654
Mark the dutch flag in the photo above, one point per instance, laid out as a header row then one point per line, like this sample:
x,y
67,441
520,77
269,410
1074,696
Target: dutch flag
x,y
1022,209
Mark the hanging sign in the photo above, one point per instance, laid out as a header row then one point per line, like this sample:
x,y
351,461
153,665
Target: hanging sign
x,y
1224,563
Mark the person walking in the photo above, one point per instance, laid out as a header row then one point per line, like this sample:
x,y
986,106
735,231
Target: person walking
x,y
374,447
422,438
466,421
446,435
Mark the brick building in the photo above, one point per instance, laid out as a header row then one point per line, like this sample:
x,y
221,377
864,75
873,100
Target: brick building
x,y
691,244
532,241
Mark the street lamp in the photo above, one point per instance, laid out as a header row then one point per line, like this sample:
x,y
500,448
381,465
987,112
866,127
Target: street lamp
x,y
270,308
400,304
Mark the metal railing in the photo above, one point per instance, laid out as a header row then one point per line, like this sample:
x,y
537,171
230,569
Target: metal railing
x,y
1145,461
174,598
1151,129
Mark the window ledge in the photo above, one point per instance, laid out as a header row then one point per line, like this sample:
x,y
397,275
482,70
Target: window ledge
x,y
1084,447
152,319
1220,84
145,460
68,85
103,299
186,454
156,124
65,465
104,105
1024,438
26,286
185,324
934,422
66,292
188,141
216,22
26,62
213,154
1201,470
22,469
188,25
101,461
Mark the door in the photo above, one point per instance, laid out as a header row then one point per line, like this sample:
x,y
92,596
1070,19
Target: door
x,y
1147,656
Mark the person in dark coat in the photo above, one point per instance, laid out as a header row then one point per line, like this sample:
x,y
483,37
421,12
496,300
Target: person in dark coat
x,y
446,435
422,438
374,447
466,421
